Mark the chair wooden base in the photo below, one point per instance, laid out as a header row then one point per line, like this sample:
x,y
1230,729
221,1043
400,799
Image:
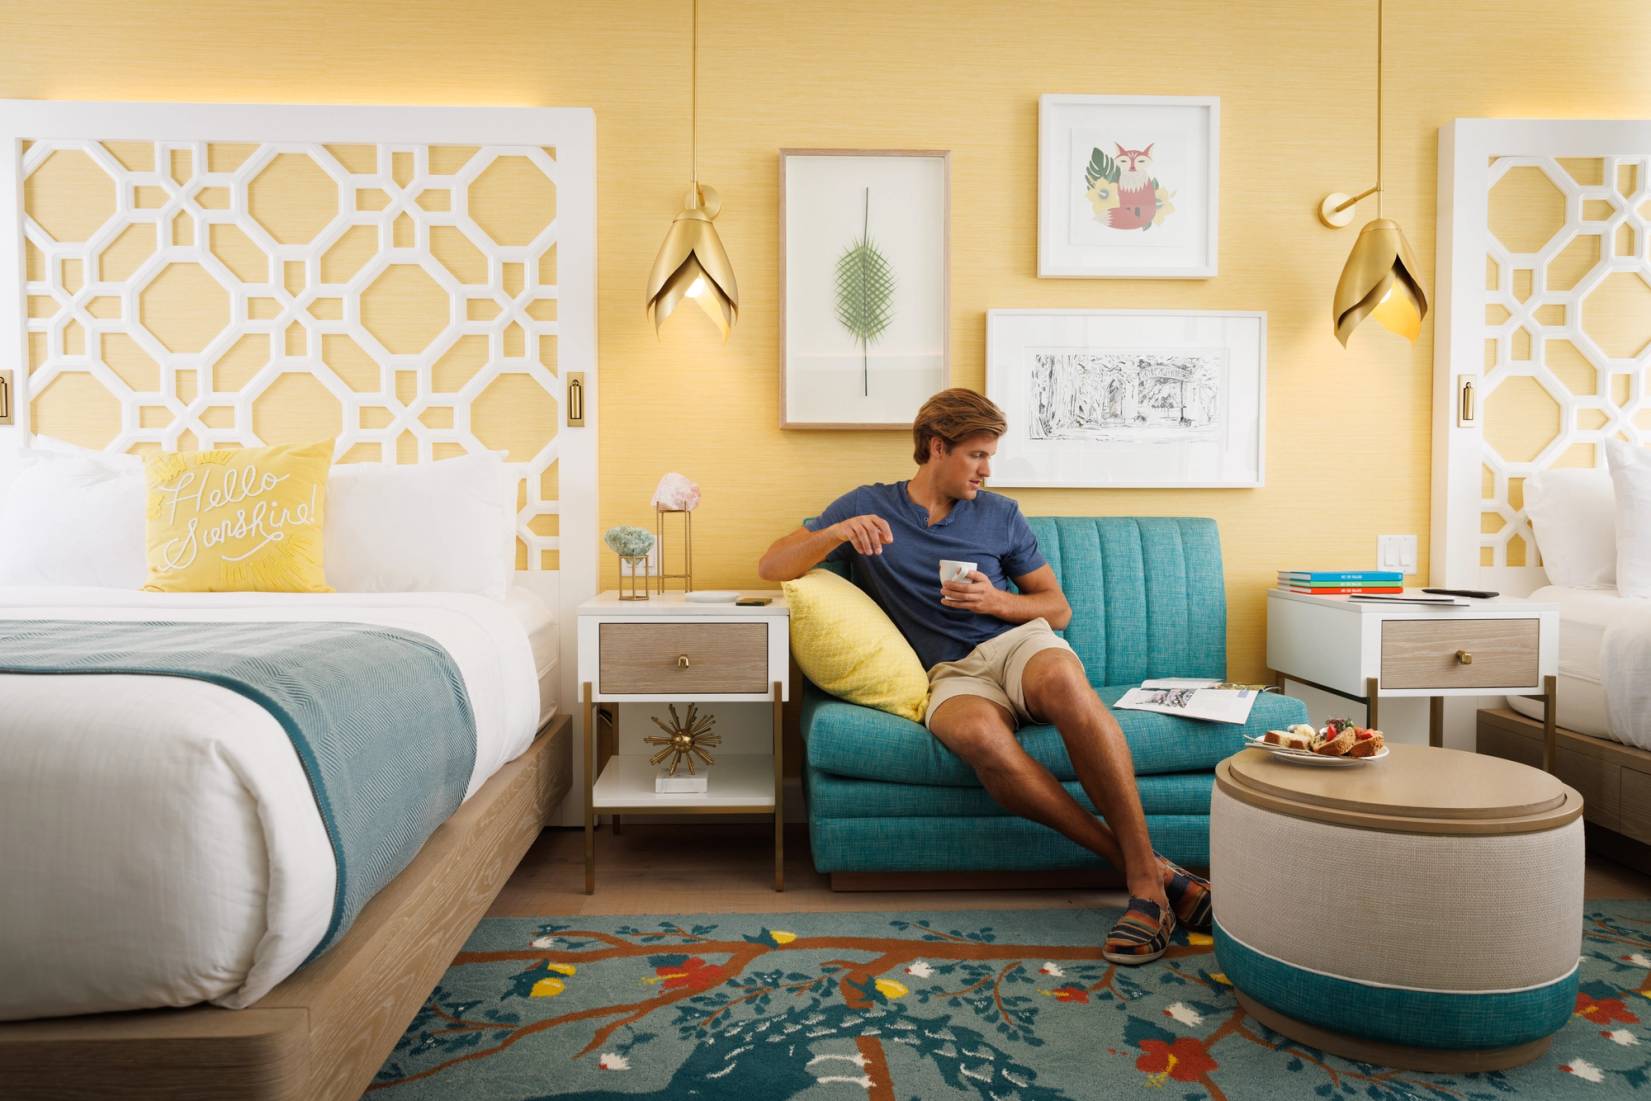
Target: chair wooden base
x,y
1100,879
324,1032
1398,1056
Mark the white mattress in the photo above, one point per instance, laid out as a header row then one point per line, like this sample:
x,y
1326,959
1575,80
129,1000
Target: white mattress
x,y
538,620
1585,615
159,841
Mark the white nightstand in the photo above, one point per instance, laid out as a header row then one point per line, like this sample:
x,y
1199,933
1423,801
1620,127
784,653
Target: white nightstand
x,y
1365,650
667,650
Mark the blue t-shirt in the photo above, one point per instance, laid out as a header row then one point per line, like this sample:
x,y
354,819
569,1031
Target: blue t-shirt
x,y
905,579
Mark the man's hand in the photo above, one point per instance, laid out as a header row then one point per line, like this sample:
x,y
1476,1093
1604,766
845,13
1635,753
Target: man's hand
x,y
973,594
867,533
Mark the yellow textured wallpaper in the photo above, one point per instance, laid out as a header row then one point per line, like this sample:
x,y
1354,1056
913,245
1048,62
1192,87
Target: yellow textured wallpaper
x,y
1348,448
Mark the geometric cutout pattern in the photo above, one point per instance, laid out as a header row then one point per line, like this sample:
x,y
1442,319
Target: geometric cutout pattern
x,y
209,294
1567,330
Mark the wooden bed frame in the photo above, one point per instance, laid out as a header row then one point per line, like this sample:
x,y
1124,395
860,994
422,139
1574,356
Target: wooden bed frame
x,y
323,1033
1614,779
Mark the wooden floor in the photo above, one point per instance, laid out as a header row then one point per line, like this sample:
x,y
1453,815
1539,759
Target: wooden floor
x,y
685,869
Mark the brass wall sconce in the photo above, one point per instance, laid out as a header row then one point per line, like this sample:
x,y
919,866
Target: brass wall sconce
x,y
1379,279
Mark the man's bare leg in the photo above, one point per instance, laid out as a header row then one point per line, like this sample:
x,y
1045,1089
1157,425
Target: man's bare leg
x,y
1057,692
983,734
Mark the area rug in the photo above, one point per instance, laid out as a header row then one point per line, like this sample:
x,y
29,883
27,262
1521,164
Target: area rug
x,y
986,1004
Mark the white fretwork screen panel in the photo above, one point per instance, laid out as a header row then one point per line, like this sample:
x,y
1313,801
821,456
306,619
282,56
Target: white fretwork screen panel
x,y
1545,319
198,294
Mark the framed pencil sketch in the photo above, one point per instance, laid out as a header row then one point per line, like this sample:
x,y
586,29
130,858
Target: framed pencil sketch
x,y
1128,186
1129,398
864,285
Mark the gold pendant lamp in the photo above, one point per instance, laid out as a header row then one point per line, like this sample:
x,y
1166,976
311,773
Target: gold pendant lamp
x,y
1379,279
692,262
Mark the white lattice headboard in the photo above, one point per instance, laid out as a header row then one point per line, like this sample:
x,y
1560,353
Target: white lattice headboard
x,y
417,282
1544,326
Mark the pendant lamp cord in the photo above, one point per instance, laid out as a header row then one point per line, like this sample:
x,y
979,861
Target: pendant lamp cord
x,y
1379,37
693,106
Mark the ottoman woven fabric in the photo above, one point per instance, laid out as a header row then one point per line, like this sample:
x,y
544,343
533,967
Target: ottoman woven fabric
x,y
1427,940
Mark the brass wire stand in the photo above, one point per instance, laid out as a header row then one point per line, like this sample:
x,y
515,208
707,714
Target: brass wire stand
x,y
687,574
634,586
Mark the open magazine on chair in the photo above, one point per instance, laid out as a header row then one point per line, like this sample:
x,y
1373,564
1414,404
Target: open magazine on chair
x,y
1193,698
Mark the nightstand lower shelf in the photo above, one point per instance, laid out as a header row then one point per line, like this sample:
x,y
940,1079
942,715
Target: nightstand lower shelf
x,y
740,783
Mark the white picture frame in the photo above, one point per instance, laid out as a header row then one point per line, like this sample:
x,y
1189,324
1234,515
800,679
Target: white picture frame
x,y
899,199
1099,399
1088,228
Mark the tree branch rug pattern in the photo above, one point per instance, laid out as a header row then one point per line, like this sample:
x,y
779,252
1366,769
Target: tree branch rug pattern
x,y
984,1005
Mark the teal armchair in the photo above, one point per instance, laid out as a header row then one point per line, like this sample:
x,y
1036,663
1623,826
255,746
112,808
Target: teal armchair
x,y
1148,600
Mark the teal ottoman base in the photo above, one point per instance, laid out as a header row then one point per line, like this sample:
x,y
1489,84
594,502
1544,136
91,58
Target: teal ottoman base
x,y
1485,1030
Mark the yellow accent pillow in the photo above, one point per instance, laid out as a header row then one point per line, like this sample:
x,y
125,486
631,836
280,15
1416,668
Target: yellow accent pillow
x,y
237,521
848,646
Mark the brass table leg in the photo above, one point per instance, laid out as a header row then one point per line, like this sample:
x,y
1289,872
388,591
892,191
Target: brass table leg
x,y
1371,687
1436,721
1550,703
779,789
590,786
610,746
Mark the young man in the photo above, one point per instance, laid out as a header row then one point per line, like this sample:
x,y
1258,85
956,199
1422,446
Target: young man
x,y
993,657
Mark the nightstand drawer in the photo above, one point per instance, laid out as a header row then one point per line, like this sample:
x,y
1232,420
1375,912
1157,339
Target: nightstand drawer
x,y
1460,653
676,659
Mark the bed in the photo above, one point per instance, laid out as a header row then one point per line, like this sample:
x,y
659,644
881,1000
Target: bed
x,y
1603,740
440,339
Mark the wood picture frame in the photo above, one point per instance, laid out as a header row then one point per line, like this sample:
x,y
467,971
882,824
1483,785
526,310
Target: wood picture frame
x,y
916,254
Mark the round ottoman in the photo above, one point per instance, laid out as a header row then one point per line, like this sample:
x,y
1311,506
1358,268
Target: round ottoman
x,y
1423,911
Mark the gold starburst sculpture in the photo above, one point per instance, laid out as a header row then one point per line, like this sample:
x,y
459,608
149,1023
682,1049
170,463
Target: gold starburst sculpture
x,y
685,738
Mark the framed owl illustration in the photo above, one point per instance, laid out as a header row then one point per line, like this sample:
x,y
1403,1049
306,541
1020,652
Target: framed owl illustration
x,y
1128,187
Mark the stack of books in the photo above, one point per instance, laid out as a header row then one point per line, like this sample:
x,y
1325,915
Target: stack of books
x,y
1341,582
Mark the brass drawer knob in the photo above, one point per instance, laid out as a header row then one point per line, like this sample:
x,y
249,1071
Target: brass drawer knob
x,y
682,661
1464,658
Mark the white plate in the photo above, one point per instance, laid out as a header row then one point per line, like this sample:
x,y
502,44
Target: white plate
x,y
711,596
1307,757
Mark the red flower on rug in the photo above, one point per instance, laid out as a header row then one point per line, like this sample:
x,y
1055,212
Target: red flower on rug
x,y
692,973
1185,1060
1603,1010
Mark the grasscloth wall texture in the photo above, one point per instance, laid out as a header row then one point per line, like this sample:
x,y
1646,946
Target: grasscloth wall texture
x,y
1348,431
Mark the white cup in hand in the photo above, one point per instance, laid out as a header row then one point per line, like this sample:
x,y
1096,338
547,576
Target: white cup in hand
x,y
953,570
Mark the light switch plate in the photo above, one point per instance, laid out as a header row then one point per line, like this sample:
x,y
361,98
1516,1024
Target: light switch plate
x,y
7,398
1396,552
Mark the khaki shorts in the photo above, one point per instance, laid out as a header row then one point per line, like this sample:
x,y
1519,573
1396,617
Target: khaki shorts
x,y
993,670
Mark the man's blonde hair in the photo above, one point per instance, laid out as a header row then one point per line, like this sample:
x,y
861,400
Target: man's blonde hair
x,y
951,417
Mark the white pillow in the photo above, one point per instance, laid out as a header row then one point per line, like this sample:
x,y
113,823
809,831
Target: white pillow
x,y
447,526
1631,474
1573,513
74,519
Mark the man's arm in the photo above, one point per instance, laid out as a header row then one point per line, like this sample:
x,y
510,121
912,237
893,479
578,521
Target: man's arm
x,y
1040,595
793,555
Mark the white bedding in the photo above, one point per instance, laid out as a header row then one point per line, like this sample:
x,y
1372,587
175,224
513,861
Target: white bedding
x,y
159,841
1604,664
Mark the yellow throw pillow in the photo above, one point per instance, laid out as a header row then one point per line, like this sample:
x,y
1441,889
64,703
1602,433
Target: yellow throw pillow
x,y
238,521
847,645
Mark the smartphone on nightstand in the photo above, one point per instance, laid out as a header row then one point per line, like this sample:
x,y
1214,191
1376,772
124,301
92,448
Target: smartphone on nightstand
x,y
753,601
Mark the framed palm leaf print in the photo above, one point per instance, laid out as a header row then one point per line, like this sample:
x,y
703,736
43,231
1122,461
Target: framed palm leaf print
x,y
864,285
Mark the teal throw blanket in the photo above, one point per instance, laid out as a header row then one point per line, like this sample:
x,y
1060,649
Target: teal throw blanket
x,y
379,717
